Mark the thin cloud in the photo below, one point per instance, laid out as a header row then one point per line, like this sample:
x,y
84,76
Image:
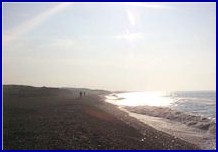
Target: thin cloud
x,y
29,25
129,36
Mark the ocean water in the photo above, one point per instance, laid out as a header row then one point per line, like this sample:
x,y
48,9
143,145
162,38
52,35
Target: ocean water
x,y
189,115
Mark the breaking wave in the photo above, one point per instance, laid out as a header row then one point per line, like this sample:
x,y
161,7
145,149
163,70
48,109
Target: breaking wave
x,y
196,121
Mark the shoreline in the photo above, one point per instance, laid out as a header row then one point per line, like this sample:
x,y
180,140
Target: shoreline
x,y
198,130
143,128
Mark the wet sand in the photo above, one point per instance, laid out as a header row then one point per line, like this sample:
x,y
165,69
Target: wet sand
x,y
66,122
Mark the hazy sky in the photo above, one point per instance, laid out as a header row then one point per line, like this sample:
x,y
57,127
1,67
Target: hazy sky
x,y
114,46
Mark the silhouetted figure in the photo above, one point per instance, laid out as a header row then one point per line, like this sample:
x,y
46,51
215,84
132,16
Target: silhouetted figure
x,y
81,94
84,94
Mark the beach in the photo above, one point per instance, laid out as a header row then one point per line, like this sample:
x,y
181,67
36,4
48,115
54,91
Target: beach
x,y
48,118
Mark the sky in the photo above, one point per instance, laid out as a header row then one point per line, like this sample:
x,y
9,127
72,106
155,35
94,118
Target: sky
x,y
131,46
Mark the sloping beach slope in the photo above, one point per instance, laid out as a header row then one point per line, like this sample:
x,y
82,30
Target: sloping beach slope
x,y
52,118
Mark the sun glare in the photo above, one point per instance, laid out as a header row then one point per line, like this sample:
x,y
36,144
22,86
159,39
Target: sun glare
x,y
140,99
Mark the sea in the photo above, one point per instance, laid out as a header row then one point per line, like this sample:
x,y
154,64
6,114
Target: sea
x,y
189,115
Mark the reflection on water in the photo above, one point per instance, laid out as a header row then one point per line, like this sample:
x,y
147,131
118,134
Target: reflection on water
x,y
190,115
140,99
195,102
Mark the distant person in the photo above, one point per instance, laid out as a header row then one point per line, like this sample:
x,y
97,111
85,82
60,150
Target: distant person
x,y
84,94
80,94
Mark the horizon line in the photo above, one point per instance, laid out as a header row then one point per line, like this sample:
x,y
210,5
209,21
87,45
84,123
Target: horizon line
x,y
104,89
